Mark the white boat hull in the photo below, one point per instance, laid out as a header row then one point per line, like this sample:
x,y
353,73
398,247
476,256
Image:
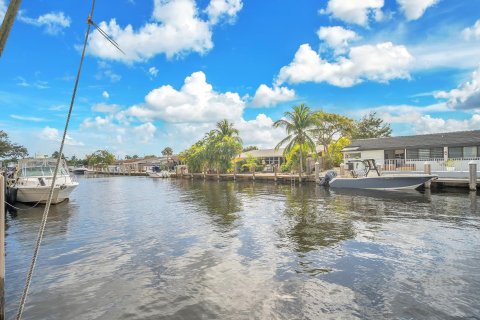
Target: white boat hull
x,y
38,194
382,183
162,174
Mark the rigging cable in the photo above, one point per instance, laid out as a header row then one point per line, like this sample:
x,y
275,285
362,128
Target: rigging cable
x,y
49,201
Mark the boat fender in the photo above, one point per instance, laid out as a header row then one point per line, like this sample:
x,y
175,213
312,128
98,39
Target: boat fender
x,y
11,195
325,181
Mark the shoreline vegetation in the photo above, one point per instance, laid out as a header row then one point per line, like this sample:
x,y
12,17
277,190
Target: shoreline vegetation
x,y
218,151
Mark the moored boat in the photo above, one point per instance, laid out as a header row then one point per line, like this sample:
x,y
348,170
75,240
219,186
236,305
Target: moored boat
x,y
361,180
34,179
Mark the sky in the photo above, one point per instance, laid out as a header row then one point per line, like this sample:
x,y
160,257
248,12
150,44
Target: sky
x,y
189,64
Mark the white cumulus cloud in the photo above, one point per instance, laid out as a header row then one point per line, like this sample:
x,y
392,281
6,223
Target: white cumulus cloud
x,y
223,9
53,22
337,37
354,11
428,124
3,9
267,97
260,132
414,9
105,94
145,132
466,96
196,101
52,134
381,63
176,29
472,32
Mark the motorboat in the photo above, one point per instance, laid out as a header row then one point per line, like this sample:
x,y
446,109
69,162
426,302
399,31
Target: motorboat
x,y
157,172
33,180
80,170
360,170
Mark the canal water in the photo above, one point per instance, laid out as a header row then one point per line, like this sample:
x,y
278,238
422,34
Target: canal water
x,y
142,248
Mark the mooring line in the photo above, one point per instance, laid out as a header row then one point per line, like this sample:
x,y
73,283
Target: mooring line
x,y
50,196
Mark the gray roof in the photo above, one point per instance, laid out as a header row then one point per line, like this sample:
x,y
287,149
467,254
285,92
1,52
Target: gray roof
x,y
448,139
263,153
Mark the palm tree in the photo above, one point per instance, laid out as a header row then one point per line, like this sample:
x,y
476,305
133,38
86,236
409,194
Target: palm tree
x,y
226,129
298,125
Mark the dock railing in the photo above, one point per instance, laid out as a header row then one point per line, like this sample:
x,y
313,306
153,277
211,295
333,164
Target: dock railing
x,y
451,168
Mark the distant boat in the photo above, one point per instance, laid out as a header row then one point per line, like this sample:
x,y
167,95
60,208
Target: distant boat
x,y
361,180
34,178
80,170
158,173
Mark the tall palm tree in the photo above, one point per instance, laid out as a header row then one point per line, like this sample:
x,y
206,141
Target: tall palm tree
x,y
226,129
298,125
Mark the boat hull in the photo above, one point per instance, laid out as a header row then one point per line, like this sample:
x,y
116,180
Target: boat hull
x,y
161,174
40,194
382,182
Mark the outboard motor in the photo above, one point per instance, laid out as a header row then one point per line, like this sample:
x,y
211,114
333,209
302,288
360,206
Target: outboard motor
x,y
325,181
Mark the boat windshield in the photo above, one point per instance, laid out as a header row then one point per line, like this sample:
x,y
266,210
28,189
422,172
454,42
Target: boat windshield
x,y
41,171
41,168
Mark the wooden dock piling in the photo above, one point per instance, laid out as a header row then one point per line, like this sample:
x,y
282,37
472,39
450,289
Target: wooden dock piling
x,y
427,168
472,183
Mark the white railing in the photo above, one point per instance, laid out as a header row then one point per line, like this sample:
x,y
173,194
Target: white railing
x,y
451,168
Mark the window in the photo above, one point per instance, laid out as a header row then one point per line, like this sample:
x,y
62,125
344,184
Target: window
x,y
455,152
412,153
469,152
436,153
423,154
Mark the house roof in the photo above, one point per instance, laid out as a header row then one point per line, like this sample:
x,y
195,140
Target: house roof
x,y
263,153
267,153
448,139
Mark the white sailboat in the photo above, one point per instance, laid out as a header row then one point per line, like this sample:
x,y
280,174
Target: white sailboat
x,y
34,179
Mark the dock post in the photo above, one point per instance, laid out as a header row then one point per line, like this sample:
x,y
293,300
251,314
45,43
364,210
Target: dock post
x,y
317,172
234,172
2,247
342,169
427,168
275,169
472,183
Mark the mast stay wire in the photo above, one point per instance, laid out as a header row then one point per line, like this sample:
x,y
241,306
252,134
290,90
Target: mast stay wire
x,y
57,165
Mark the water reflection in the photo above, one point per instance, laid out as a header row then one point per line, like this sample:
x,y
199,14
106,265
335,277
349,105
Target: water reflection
x,y
218,200
139,248
310,225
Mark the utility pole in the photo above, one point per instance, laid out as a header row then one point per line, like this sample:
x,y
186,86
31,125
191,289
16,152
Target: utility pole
x,y
8,22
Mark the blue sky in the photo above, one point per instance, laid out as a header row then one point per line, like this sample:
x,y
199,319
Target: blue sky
x,y
191,63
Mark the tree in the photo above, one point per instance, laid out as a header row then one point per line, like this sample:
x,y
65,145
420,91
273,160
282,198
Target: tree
x,y
215,151
55,155
101,158
335,151
298,125
249,148
226,129
371,126
329,128
9,149
167,152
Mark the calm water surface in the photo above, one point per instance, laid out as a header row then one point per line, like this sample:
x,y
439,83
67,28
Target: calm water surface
x,y
140,248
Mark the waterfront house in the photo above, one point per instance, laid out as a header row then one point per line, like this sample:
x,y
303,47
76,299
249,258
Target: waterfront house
x,y
271,157
450,151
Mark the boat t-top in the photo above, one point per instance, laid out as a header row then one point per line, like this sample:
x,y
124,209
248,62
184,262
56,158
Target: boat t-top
x,y
360,179
33,180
